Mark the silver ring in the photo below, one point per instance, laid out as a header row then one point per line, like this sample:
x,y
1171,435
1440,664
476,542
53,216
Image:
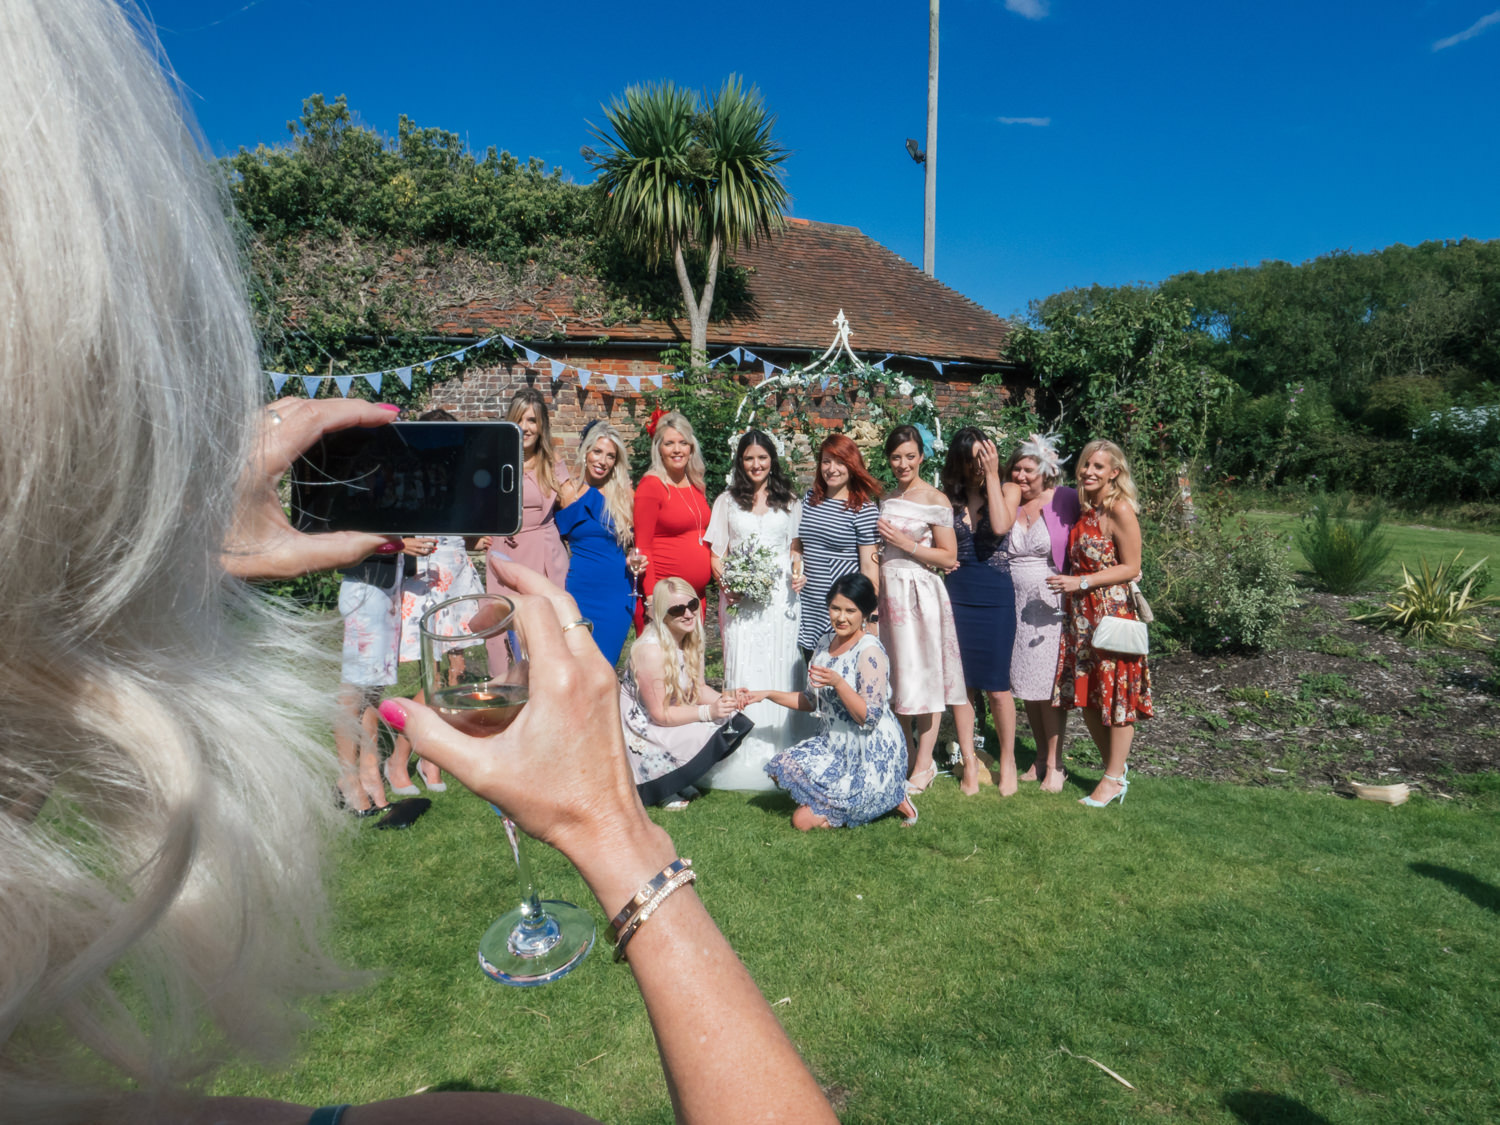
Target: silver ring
x,y
583,622
275,417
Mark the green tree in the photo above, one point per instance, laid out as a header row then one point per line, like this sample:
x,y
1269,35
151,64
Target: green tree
x,y
1121,360
682,174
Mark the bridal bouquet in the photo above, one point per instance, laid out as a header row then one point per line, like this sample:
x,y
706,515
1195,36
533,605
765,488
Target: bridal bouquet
x,y
752,570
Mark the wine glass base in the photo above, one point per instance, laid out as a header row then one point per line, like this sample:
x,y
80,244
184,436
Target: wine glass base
x,y
521,953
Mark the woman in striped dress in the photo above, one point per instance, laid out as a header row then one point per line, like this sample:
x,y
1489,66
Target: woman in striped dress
x,y
836,535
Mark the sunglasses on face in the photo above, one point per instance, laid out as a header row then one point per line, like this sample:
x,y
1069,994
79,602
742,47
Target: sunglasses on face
x,y
683,610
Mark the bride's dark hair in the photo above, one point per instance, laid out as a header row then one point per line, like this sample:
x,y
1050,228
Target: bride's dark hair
x,y
779,492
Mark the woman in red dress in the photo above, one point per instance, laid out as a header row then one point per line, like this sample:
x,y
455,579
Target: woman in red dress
x,y
1104,557
672,512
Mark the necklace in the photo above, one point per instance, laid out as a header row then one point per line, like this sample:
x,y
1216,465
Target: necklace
x,y
697,516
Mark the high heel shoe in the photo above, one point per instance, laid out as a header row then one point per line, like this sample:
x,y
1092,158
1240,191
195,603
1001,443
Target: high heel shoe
x,y
438,786
343,803
907,821
407,790
1123,779
913,786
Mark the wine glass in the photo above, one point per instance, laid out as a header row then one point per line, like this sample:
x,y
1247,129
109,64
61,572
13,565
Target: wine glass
x,y
636,561
476,675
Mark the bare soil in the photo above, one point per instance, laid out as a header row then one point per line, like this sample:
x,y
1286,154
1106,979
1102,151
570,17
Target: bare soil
x,y
1338,701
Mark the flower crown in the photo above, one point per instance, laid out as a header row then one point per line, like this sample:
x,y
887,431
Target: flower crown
x,y
656,416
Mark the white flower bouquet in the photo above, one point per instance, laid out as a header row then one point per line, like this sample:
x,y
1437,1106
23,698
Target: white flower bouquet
x,y
752,571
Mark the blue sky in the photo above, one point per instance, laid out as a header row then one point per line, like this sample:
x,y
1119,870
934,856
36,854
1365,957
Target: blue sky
x,y
1078,142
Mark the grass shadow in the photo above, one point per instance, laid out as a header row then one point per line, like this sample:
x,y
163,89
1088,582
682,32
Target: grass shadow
x,y
1256,1107
1475,890
773,801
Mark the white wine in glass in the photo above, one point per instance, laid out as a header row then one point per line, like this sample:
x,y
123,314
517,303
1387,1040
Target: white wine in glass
x,y
476,675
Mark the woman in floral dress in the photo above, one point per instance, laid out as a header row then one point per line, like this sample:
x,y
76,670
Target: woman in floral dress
x,y
851,771
759,509
1104,555
916,618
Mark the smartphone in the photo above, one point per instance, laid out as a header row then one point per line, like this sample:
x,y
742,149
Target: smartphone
x,y
412,478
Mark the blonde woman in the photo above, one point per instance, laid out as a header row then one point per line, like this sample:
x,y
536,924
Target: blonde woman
x,y
597,522
676,726
671,509
1104,556
537,545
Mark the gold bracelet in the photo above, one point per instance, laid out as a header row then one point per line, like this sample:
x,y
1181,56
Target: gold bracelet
x,y
644,895
681,879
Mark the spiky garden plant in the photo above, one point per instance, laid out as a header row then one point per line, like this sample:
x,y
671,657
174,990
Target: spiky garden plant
x,y
1436,603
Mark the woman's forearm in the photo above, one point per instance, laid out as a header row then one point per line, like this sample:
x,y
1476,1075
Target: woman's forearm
x,y
706,1012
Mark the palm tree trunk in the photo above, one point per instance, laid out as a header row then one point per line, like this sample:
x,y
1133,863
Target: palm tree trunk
x,y
697,309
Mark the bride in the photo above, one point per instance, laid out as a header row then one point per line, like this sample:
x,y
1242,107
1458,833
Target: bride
x,y
759,509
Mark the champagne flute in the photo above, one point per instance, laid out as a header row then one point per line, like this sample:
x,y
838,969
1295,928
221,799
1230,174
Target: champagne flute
x,y
476,675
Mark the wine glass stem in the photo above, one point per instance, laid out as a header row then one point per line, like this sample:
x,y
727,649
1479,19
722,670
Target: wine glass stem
x,y
533,917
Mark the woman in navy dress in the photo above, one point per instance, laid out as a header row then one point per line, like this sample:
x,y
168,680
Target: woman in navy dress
x,y
984,600
595,522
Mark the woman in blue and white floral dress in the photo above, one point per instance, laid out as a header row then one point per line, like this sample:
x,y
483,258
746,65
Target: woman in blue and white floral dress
x,y
854,770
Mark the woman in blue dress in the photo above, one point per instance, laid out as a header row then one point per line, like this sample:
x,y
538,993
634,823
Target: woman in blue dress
x,y
983,597
595,522
854,769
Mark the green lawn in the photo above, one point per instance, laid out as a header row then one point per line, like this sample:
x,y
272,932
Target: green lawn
x,y
1408,542
1230,951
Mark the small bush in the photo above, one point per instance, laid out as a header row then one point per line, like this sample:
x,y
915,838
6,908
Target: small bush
x,y
1344,555
1223,589
1437,603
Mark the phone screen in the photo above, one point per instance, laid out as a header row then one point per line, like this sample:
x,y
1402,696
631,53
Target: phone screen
x,y
412,478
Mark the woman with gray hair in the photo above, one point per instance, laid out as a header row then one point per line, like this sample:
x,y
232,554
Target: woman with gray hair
x,y
164,781
1038,547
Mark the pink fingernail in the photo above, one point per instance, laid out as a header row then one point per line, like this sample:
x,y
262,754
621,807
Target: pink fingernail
x,y
389,547
393,713
391,406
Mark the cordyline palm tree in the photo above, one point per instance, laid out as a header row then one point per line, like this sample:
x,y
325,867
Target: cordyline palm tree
x,y
683,174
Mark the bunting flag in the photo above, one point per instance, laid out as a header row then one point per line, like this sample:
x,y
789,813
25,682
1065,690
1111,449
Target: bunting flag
x,y
826,380
741,355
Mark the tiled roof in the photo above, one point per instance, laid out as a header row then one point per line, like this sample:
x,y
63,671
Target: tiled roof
x,y
797,283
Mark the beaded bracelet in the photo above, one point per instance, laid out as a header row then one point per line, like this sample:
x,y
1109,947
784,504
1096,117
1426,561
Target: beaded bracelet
x,y
681,879
644,895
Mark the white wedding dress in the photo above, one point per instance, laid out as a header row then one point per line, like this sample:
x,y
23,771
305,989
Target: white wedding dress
x,y
760,645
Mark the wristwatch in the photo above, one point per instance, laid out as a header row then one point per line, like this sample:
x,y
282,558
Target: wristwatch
x,y
1083,584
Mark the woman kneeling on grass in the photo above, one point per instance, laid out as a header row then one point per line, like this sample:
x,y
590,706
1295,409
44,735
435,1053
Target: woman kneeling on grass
x,y
854,769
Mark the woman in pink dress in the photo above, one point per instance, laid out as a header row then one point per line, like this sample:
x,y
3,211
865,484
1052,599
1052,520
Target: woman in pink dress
x,y
537,545
916,618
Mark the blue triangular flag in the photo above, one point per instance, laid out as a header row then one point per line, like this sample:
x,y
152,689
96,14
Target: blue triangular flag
x,y
459,355
482,343
342,382
558,367
531,356
656,380
938,365
635,383
427,367
278,380
509,343
374,378
584,377
824,385
611,381
311,383
404,374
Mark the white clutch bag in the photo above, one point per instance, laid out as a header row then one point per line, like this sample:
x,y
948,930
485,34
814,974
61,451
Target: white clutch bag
x,y
1121,635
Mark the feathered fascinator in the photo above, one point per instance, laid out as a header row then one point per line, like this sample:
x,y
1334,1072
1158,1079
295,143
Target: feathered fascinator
x,y
656,416
1043,447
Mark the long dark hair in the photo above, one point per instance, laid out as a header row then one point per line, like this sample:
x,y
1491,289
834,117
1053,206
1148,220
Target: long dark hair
x,y
862,486
900,436
779,492
956,468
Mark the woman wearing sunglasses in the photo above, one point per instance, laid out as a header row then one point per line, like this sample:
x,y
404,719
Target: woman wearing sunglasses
x,y
676,726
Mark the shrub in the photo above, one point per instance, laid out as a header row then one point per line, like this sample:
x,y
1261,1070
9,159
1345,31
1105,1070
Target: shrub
x,y
1437,603
1343,555
1221,588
